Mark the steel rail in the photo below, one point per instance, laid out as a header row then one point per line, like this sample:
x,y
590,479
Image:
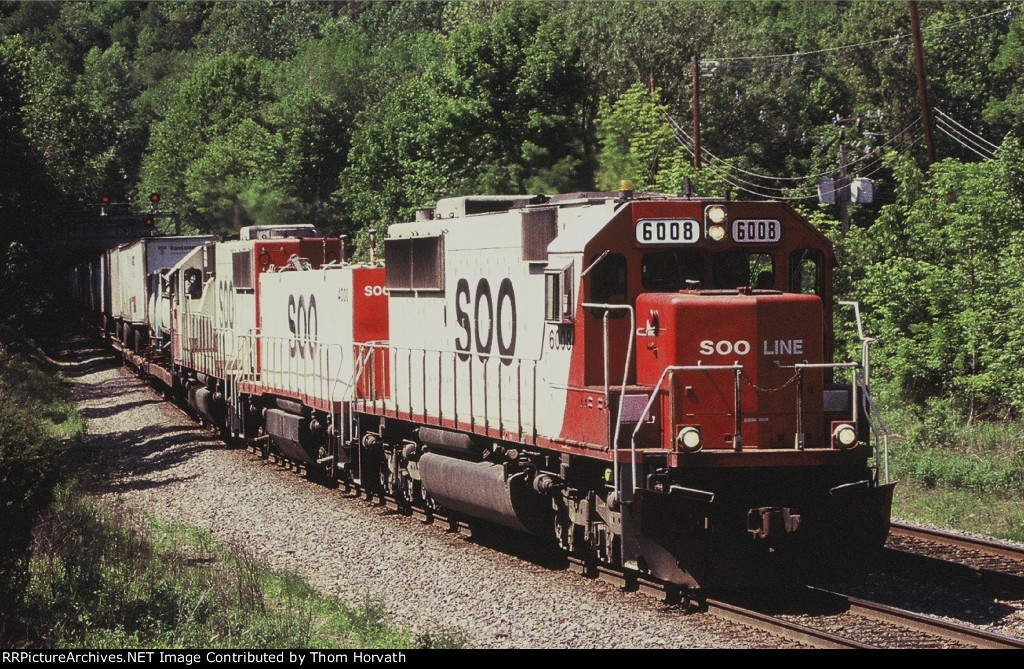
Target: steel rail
x,y
925,624
948,538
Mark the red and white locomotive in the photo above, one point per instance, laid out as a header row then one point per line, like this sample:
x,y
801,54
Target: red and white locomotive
x,y
647,380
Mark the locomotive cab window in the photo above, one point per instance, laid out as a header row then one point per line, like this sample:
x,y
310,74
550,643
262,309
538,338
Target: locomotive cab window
x,y
608,283
669,271
194,283
736,268
807,271
762,270
558,295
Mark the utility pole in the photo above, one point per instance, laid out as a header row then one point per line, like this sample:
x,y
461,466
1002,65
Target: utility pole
x,y
843,187
922,84
843,190
696,114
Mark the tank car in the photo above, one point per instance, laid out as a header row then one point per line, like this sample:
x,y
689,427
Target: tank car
x,y
646,380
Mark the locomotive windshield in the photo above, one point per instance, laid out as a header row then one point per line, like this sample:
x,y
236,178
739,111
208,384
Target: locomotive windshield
x,y
669,271
808,271
736,268
672,271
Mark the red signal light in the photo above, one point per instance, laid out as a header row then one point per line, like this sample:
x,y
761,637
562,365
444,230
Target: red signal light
x,y
105,199
150,223
154,197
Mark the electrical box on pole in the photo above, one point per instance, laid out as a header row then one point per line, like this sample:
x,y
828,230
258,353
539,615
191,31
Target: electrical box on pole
x,y
862,191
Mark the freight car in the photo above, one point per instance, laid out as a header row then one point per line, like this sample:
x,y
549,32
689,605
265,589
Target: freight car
x,y
646,380
138,300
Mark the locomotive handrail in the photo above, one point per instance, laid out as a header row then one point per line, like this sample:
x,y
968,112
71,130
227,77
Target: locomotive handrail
x,y
402,360
819,365
800,367
359,363
204,345
314,371
881,442
874,417
735,368
625,380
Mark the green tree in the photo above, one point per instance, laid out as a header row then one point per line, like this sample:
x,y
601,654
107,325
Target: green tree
x,y
318,94
391,168
30,206
197,134
232,181
638,144
944,282
1006,97
509,119
263,29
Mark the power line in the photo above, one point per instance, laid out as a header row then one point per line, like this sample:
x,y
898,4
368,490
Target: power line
x,y
979,138
867,162
962,139
895,41
727,172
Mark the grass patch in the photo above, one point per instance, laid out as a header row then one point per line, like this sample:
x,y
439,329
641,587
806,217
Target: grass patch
x,y
29,380
996,515
102,579
956,474
38,425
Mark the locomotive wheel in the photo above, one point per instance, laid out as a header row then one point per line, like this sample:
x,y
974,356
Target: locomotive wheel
x,y
404,505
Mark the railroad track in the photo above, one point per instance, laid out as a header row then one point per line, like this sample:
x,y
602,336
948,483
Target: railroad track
x,y
996,567
822,618
954,539
828,619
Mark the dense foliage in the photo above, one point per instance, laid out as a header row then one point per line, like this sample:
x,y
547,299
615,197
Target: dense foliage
x,y
353,114
36,422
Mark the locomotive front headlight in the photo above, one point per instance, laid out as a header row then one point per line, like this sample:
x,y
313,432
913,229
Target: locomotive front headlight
x,y
716,232
689,438
844,435
716,214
